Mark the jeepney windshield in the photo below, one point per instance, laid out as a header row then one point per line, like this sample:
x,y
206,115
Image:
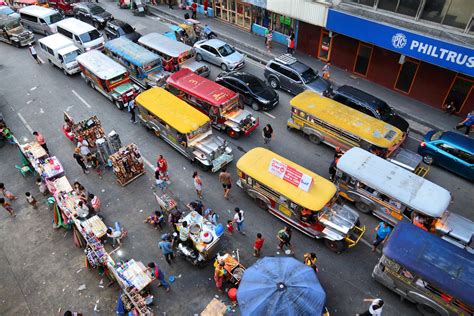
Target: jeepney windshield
x,y
71,56
89,36
201,130
53,18
12,25
119,78
230,105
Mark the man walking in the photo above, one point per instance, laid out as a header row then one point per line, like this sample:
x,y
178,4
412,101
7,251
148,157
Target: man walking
x,y
226,181
267,134
194,9
33,53
467,123
83,146
284,236
383,231
170,4
131,108
158,274
40,139
166,248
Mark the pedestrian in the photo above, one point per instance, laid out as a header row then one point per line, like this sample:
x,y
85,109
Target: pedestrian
x,y
79,190
82,210
467,123
40,139
310,260
157,219
162,165
383,231
170,4
83,146
194,10
184,234
226,181
267,134
94,201
239,220
205,5
375,308
33,53
291,44
230,226
173,218
284,236
214,217
219,273
326,71
258,245
197,184
80,160
160,181
332,168
42,186
116,236
31,200
6,194
449,108
95,163
269,38
132,109
8,207
166,248
158,274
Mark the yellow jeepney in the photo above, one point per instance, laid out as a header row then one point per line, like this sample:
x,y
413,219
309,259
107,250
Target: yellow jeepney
x,y
299,197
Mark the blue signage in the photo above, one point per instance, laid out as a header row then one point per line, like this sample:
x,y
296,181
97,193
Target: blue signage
x,y
444,54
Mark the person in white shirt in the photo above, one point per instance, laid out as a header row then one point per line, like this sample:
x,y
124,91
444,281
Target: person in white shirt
x,y
375,308
239,220
82,210
116,236
83,145
33,53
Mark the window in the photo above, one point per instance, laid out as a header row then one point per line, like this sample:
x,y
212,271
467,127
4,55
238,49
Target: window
x,y
212,50
289,73
447,148
361,65
275,67
455,13
406,7
64,32
364,2
28,17
324,46
50,51
340,98
406,75
459,92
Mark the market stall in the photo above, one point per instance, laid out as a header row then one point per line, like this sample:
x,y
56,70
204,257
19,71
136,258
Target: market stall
x,y
89,129
127,164
166,202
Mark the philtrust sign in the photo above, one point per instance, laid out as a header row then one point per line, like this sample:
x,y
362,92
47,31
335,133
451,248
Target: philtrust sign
x,y
444,54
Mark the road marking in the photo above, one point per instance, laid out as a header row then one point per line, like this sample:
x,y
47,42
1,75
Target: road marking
x,y
82,100
148,163
25,123
268,114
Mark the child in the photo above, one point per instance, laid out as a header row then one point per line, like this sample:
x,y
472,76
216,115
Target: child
x,y
258,245
30,199
42,186
8,207
230,226
156,220
7,194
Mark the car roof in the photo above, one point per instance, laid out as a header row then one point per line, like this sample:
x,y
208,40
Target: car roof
x,y
214,43
359,94
462,141
290,61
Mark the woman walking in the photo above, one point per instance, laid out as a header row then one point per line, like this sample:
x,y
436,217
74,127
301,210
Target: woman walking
x,y
80,159
197,184
239,220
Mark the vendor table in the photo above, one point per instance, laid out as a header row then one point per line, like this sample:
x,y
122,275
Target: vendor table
x,y
95,225
51,168
202,232
134,273
166,202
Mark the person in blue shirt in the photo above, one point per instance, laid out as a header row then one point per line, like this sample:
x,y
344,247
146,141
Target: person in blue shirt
x,y
166,248
467,123
383,231
208,32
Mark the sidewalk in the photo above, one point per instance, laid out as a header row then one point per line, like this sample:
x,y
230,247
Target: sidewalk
x,y
422,117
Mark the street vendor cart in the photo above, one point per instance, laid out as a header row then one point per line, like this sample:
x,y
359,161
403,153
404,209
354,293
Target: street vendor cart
x,y
89,129
166,202
235,270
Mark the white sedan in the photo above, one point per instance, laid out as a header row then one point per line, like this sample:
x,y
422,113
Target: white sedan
x,y
219,53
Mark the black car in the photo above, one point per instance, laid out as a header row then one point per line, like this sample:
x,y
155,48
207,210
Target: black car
x,y
91,13
118,28
252,90
370,105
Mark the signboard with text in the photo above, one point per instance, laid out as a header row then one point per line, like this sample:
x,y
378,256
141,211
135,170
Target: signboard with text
x,y
290,175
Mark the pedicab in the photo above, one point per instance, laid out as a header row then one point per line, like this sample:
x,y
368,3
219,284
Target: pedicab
x,y
234,269
184,33
139,7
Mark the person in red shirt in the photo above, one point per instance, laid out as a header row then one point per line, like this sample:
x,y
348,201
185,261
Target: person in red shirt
x,y
194,8
162,165
258,245
40,139
205,4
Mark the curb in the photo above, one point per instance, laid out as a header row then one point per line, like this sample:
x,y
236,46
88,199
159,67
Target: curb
x,y
264,57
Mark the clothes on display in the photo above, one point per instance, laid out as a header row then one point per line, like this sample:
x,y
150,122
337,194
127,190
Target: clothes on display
x,y
127,164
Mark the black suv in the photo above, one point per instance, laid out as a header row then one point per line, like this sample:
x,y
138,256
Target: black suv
x,y
287,73
118,28
370,105
91,13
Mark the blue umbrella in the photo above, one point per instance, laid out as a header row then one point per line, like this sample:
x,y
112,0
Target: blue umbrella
x,y
280,286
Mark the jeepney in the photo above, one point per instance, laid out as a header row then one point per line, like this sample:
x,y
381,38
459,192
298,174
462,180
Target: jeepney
x,y
108,77
174,53
299,197
395,194
219,103
13,33
183,127
18,4
144,67
427,271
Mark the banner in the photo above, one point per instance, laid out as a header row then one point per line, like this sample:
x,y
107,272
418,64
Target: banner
x,y
290,175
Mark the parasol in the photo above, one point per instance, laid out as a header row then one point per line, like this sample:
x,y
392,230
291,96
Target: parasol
x,y
280,286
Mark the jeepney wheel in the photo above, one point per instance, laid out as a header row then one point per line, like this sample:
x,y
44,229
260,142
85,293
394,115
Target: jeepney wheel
x,y
232,134
427,310
428,159
198,57
363,208
262,204
336,246
315,139
118,104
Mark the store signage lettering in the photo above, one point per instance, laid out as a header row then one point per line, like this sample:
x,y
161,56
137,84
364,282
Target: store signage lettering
x,y
448,55
290,175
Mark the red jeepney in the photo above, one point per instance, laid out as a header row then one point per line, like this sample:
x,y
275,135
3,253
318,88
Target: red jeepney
x,y
219,103
64,6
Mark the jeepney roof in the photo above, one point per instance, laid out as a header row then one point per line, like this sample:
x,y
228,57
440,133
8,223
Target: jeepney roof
x,y
164,44
100,65
256,163
202,88
438,262
373,130
132,52
174,111
387,178
56,41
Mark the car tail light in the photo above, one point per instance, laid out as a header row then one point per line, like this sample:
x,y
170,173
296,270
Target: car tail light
x,y
422,144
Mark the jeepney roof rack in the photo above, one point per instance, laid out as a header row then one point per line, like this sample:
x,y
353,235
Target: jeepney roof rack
x,y
286,59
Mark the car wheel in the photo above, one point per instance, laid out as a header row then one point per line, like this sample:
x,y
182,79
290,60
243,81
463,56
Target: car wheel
x,y
428,159
255,106
198,57
336,246
274,83
363,208
315,139
426,310
224,67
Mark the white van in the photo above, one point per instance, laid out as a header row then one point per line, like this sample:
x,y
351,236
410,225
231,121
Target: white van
x,y
85,36
39,19
61,52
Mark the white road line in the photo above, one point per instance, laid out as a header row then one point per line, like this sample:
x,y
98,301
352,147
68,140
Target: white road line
x,y
148,163
268,114
82,100
25,123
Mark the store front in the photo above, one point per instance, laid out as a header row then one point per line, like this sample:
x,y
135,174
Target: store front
x,y
236,12
425,68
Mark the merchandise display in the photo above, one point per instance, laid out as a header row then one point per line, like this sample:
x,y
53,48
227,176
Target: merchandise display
x,y
89,129
127,164
202,232
51,168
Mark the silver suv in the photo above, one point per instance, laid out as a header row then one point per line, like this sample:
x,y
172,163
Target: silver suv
x,y
287,73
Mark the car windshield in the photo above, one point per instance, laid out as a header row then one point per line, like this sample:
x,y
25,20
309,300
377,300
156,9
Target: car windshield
x,y
53,18
6,10
309,75
71,56
125,29
89,36
255,84
384,110
96,10
226,50
437,135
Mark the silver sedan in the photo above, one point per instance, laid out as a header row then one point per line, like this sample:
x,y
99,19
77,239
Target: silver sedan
x,y
219,53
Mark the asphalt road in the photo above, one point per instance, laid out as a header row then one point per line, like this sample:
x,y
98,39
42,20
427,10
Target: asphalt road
x,y
34,97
